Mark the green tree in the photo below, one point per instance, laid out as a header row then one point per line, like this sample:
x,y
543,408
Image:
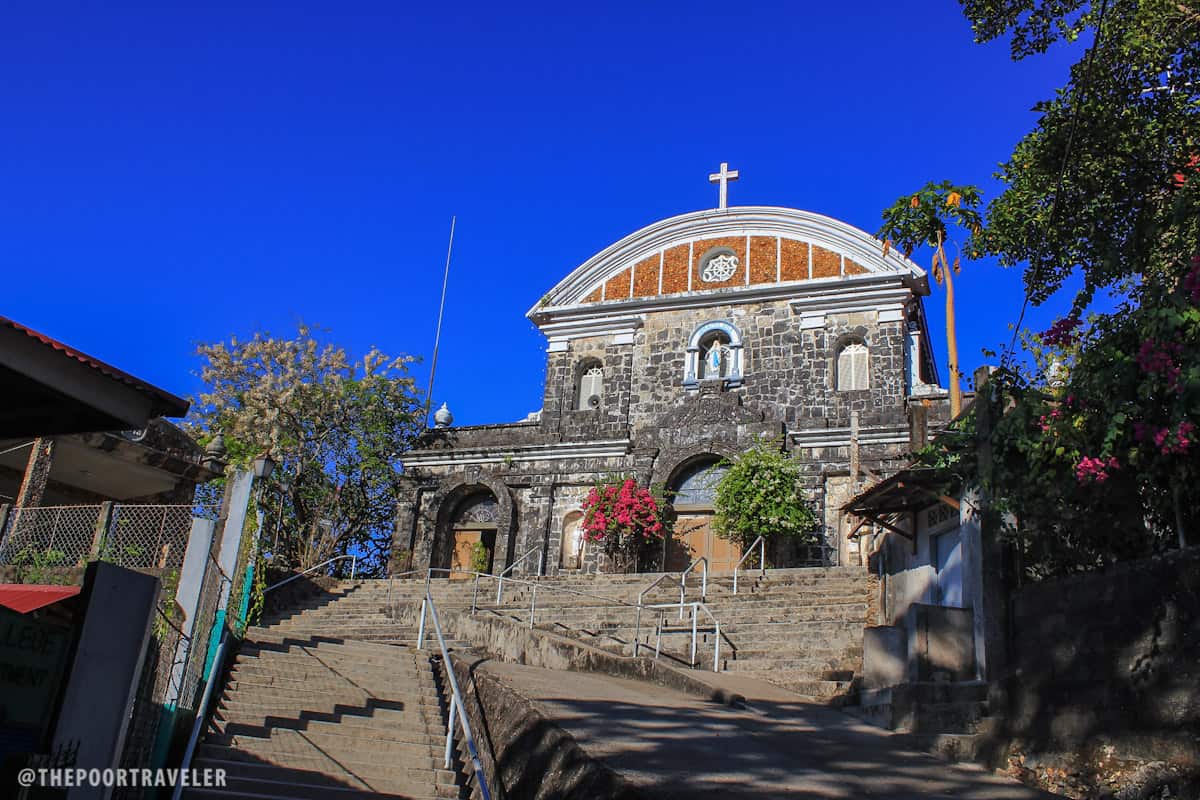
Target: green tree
x,y
335,426
1104,424
928,218
760,495
1106,184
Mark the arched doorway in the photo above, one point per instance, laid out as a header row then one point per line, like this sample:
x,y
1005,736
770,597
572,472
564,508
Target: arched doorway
x,y
573,543
473,521
694,492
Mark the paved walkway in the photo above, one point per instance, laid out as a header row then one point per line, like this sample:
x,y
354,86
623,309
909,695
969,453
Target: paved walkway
x,y
678,745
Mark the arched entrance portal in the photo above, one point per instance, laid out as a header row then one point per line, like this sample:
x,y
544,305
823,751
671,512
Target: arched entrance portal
x,y
694,488
473,522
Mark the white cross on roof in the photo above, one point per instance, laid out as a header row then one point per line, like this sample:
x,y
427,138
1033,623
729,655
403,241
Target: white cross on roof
x,y
724,177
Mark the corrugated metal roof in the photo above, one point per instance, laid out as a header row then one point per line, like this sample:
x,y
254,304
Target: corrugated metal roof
x,y
167,405
25,597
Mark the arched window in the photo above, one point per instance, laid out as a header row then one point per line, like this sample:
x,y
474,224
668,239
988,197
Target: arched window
x,y
714,353
696,484
589,391
853,367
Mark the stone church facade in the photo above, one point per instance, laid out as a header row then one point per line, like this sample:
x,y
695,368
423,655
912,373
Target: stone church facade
x,y
671,350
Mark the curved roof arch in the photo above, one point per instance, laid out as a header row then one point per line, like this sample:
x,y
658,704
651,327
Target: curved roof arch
x,y
592,281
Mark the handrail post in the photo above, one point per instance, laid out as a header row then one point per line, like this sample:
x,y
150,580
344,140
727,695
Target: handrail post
x,y
353,566
450,726
694,614
421,628
704,580
637,630
658,637
681,594
499,588
533,607
717,647
762,556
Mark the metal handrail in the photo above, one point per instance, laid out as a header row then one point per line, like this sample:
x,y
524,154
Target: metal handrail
x,y
298,575
682,580
456,699
702,561
512,566
201,714
762,560
640,606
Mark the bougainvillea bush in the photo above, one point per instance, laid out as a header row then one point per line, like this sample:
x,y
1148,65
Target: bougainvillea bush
x,y
626,520
1097,459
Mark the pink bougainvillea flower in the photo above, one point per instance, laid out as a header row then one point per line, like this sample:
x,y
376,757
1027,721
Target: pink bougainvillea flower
x,y
1062,333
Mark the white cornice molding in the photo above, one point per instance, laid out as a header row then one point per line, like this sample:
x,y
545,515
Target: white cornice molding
x,y
492,455
788,223
875,296
840,437
563,331
824,294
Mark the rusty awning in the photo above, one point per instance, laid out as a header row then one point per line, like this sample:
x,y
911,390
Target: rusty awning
x,y
907,492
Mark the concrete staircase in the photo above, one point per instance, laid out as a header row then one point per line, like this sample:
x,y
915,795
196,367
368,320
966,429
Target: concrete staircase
x,y
325,715
798,628
950,720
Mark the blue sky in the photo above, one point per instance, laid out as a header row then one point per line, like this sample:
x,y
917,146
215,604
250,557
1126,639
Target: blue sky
x,y
179,174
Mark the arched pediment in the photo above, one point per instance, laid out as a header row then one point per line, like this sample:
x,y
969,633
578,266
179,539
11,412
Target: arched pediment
x,y
726,250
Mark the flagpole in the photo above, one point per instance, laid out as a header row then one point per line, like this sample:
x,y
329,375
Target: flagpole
x,y
437,338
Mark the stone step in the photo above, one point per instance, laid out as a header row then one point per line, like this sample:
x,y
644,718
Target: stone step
x,y
327,696
366,764
402,726
384,779
288,676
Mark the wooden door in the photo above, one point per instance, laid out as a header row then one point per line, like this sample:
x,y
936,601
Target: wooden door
x,y
694,537
464,545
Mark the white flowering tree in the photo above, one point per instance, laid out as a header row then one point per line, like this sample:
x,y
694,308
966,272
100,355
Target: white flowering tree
x,y
336,428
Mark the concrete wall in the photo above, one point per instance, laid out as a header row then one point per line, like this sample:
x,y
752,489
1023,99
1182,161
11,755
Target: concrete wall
x,y
526,756
1110,657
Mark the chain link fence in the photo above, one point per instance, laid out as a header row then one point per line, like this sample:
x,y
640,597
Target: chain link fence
x,y
50,536
150,537
143,537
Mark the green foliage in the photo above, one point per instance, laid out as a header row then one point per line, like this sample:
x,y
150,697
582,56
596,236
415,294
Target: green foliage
x,y
761,495
480,556
336,428
34,565
1094,444
930,217
1107,182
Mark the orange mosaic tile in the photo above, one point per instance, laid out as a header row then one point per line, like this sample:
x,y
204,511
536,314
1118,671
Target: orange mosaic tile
x,y
675,270
645,277
617,287
826,263
762,259
735,243
595,296
854,268
794,260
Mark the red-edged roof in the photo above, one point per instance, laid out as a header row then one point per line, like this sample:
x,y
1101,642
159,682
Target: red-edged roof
x,y
167,405
26,597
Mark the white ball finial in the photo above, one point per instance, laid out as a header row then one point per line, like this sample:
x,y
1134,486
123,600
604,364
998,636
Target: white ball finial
x,y
442,418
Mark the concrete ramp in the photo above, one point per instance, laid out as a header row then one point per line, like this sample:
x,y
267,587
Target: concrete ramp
x,y
663,743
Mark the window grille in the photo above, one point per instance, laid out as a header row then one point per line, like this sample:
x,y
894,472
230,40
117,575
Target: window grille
x,y
591,385
853,368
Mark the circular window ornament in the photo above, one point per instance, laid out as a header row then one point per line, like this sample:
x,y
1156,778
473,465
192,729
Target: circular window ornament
x,y
719,267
